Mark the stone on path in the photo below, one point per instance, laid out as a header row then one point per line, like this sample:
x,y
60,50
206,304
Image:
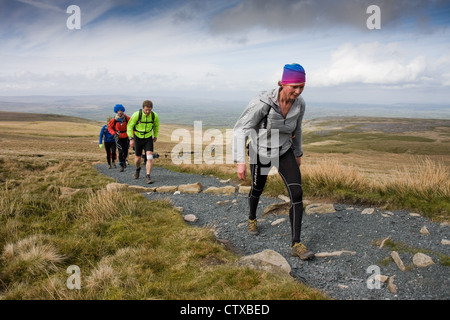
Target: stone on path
x,y
383,242
368,211
116,187
397,260
278,221
284,198
190,188
267,260
424,231
221,190
166,189
140,189
190,218
422,260
320,208
391,286
334,253
277,208
244,189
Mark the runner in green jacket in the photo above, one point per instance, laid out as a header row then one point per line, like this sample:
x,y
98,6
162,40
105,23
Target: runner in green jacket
x,y
143,129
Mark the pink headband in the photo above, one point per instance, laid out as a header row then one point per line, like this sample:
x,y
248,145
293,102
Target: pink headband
x,y
293,74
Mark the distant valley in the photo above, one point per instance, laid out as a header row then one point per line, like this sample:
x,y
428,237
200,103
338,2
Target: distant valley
x,y
213,113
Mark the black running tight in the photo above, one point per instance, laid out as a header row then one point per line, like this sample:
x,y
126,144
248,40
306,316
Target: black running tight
x,y
290,173
110,148
123,144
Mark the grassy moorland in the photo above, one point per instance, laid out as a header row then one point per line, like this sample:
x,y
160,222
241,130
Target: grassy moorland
x,y
125,246
129,248
391,163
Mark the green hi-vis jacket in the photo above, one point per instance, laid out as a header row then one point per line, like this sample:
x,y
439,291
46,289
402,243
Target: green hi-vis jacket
x,y
145,127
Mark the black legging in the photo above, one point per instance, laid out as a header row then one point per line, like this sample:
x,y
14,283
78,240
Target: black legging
x,y
290,173
110,148
123,144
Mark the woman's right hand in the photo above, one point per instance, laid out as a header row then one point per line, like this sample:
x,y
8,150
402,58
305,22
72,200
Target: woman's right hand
x,y
241,171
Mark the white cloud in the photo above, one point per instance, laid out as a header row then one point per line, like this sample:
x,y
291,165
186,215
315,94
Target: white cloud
x,y
376,63
42,5
173,51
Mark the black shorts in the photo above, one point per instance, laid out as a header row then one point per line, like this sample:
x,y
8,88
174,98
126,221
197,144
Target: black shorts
x,y
142,144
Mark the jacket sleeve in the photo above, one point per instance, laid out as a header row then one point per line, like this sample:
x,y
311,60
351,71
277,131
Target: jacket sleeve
x,y
111,128
246,127
131,123
102,133
156,126
297,141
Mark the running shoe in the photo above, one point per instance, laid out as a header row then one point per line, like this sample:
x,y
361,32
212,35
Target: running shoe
x,y
299,250
253,227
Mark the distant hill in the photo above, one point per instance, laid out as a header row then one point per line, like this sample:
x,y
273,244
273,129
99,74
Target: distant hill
x,y
213,113
25,116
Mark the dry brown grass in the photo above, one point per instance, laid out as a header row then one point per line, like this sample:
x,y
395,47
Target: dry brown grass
x,y
424,177
32,256
103,205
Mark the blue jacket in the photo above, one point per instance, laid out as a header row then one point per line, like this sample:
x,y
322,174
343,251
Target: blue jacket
x,y
105,135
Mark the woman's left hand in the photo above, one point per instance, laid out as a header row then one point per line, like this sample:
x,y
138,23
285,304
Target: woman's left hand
x,y
299,161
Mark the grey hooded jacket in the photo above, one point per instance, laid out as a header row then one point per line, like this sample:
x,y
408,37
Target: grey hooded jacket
x,y
281,134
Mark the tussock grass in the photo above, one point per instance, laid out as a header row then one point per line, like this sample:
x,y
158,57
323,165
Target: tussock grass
x,y
423,185
102,206
31,256
425,179
125,246
331,175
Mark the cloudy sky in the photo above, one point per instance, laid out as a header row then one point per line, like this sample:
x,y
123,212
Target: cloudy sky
x,y
227,49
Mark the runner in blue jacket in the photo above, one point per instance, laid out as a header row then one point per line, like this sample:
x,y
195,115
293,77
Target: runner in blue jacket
x,y
108,140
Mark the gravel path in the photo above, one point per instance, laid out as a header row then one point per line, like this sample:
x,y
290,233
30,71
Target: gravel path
x,y
341,277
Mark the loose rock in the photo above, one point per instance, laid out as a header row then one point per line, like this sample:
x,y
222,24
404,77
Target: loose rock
x,y
320,208
166,189
190,188
244,189
284,198
221,190
397,260
277,208
267,260
190,218
140,189
391,286
334,253
278,221
421,260
368,211
116,187
424,231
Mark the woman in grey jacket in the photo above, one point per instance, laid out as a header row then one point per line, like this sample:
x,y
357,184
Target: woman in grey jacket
x,y
273,122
